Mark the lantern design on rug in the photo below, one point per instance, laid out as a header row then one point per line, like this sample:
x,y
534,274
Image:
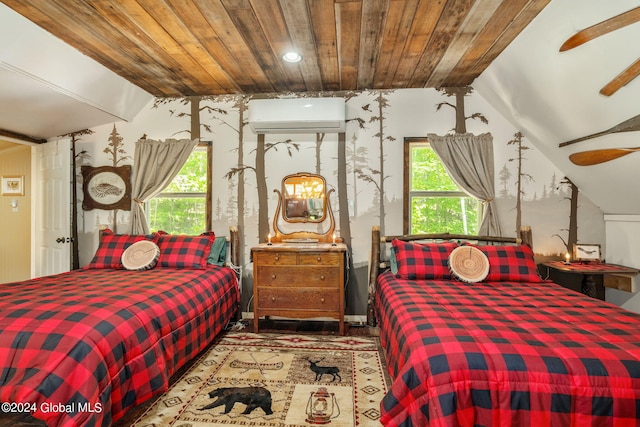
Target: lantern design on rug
x,y
322,406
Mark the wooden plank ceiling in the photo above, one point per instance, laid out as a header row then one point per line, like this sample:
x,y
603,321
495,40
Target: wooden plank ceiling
x,y
211,47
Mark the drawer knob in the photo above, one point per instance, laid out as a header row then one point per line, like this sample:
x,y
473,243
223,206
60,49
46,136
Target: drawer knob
x,y
319,258
273,276
322,299
277,257
273,299
322,277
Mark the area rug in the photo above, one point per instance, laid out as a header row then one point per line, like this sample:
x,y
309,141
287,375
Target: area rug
x,y
273,380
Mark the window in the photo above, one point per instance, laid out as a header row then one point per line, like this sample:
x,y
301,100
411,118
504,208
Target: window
x,y
433,201
184,206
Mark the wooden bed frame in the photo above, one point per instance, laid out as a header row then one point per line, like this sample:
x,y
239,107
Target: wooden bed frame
x,y
377,264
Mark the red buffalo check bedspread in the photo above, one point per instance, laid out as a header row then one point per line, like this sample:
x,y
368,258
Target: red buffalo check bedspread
x,y
501,354
80,348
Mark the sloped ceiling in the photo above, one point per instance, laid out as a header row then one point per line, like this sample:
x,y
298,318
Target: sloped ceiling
x,y
47,88
553,96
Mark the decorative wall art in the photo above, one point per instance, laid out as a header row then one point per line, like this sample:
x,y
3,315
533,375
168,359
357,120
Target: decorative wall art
x,y
586,252
106,187
12,186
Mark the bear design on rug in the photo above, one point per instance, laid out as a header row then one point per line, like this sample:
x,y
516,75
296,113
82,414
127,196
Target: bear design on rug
x,y
253,397
321,370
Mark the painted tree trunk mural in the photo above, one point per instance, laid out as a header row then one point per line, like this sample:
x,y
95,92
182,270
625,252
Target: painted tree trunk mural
x,y
351,168
242,105
194,103
377,177
573,216
75,255
572,232
118,154
382,103
343,201
319,140
318,149
461,119
261,186
522,176
461,122
261,180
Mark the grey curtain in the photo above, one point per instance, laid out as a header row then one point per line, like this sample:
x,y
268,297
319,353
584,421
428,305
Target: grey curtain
x,y
468,159
155,164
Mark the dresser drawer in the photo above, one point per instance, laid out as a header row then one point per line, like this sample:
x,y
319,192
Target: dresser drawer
x,y
298,276
623,282
319,258
299,299
275,258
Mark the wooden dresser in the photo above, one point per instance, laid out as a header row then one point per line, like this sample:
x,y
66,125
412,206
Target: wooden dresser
x,y
299,281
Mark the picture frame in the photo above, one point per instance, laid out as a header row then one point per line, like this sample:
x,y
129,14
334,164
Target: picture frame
x,y
12,185
586,252
106,187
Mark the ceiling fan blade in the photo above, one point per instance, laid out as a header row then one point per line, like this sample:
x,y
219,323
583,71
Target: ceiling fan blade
x,y
594,157
630,125
602,28
621,79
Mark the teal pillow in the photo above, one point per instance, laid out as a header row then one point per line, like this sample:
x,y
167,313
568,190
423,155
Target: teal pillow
x,y
218,254
393,263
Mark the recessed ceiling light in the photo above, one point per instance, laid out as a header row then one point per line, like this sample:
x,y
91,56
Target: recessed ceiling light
x,y
292,57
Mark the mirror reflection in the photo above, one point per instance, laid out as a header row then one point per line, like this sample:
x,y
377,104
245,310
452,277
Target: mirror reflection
x,y
304,198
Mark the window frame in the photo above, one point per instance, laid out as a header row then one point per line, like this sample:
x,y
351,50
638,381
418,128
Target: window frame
x,y
406,186
208,194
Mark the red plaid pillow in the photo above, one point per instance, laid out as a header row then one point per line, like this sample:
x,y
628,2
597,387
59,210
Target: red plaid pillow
x,y
180,251
423,261
511,264
111,247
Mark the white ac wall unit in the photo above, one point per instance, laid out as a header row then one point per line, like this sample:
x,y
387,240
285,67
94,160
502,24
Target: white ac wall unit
x,y
297,115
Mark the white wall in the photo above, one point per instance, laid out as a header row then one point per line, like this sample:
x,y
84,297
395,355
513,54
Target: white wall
x,y
623,247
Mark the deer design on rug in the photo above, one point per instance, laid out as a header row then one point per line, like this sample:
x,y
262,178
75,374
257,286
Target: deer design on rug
x,y
321,370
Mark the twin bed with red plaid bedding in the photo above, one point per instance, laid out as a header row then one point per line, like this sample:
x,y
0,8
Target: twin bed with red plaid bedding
x,y
505,353
81,348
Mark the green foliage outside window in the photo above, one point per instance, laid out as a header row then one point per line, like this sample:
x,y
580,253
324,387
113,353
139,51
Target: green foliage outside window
x,y
436,203
181,207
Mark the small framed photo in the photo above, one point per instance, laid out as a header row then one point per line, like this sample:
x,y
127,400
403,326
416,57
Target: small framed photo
x,y
12,185
586,252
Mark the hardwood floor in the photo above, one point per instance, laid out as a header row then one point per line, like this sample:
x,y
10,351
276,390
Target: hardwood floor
x,y
266,326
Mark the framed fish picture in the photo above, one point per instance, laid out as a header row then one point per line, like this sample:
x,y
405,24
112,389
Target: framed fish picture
x,y
106,187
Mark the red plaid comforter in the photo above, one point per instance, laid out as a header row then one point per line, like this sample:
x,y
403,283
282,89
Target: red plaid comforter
x,y
81,348
500,354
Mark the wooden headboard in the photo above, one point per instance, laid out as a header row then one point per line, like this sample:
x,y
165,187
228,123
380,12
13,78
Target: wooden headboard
x,y
233,242
377,264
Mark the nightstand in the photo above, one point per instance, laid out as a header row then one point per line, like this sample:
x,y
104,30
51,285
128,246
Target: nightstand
x,y
614,275
299,281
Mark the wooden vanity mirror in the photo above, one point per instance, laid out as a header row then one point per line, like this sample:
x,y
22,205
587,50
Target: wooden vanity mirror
x,y
304,199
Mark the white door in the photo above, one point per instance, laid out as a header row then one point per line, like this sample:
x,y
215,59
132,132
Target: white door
x,y
53,208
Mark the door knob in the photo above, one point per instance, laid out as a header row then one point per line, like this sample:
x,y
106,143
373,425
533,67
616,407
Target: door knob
x,y
63,240
60,240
